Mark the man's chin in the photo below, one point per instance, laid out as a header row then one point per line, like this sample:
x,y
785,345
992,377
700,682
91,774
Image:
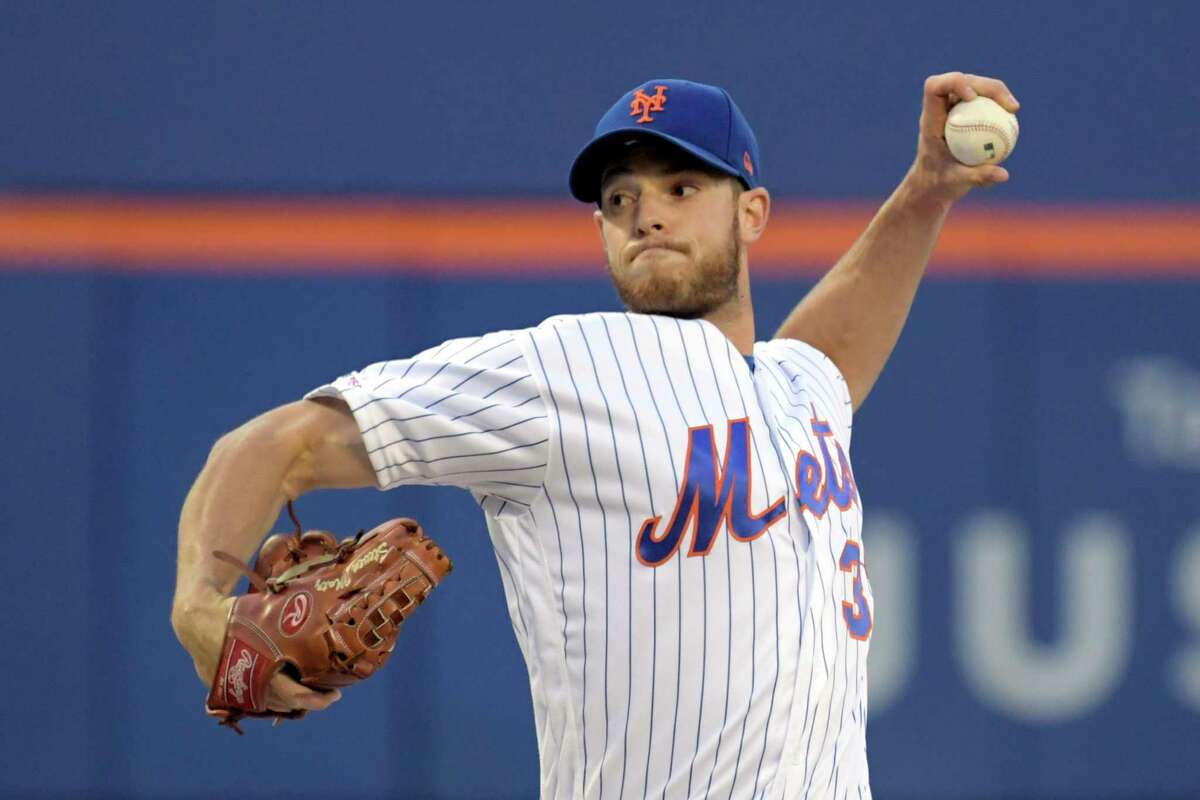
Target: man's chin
x,y
666,305
662,285
655,294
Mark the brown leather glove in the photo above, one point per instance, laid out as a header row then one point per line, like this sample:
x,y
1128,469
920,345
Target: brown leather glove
x,y
326,613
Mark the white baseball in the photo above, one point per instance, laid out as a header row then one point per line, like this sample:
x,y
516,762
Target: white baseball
x,y
980,131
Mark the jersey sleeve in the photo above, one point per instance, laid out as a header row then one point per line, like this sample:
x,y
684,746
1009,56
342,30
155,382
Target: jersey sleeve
x,y
466,413
810,370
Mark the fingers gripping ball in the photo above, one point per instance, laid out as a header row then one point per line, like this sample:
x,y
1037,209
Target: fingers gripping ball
x,y
326,612
981,131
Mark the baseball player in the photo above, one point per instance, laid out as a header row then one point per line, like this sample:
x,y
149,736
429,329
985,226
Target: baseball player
x,y
671,501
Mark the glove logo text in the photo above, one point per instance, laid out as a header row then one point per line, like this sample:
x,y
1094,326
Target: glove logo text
x,y
295,613
375,554
236,683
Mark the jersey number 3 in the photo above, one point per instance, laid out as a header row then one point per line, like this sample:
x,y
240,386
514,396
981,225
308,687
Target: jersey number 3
x,y
858,613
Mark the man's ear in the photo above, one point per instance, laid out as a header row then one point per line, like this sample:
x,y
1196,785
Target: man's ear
x,y
754,207
598,218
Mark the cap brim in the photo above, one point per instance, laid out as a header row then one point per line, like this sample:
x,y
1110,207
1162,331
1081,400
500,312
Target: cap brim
x,y
589,164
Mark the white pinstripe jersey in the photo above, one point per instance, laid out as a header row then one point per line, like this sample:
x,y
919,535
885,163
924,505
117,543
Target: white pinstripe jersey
x,y
678,534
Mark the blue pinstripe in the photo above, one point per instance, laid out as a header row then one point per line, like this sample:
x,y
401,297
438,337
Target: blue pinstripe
x,y
465,455
629,541
729,582
812,385
679,580
675,474
370,428
508,341
515,589
837,654
414,361
604,523
629,524
845,694
482,471
455,435
800,574
753,579
806,365
775,562
493,405
505,386
562,602
482,370
783,464
427,413
810,727
582,550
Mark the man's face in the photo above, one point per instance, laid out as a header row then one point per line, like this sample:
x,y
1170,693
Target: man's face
x,y
670,231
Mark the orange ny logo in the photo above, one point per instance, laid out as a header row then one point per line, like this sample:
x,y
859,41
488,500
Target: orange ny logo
x,y
644,103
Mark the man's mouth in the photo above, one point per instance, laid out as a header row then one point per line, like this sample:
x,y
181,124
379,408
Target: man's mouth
x,y
655,248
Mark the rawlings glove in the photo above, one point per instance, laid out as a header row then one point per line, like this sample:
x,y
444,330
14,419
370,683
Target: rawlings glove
x,y
324,612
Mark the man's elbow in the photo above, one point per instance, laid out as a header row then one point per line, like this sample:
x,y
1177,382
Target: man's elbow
x,y
278,439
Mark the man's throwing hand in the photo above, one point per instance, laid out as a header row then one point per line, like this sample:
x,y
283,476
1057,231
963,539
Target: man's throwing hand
x,y
935,174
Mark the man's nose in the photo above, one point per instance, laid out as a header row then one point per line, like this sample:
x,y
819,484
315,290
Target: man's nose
x,y
651,216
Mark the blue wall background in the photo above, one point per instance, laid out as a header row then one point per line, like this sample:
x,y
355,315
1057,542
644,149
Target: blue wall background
x,y
496,98
1054,403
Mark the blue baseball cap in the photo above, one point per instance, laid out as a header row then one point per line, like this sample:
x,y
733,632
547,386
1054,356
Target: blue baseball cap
x,y
699,119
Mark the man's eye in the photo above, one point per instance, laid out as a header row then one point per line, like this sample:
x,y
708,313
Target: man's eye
x,y
618,199
685,190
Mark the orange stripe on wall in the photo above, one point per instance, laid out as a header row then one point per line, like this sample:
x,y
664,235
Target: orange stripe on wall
x,y
518,237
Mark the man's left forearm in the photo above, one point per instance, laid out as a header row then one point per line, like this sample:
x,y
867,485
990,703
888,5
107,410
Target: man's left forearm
x,y
856,312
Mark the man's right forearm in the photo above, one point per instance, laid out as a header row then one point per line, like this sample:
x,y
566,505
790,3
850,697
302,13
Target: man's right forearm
x,y
232,505
250,474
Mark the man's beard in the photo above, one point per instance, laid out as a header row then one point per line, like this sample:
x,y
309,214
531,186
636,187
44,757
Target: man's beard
x,y
690,293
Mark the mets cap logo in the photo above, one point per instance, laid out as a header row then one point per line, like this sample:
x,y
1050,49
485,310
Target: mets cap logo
x,y
645,103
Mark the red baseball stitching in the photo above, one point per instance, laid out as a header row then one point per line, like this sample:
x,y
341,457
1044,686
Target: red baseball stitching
x,y
983,126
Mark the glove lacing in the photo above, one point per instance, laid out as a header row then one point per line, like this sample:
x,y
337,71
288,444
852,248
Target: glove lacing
x,y
296,550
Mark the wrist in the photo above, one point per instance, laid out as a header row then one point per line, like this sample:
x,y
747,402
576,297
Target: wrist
x,y
193,599
917,194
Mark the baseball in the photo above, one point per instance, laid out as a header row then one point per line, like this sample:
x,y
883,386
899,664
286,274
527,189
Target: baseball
x,y
980,131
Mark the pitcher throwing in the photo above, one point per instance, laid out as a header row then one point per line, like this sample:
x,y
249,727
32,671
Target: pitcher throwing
x,y
672,505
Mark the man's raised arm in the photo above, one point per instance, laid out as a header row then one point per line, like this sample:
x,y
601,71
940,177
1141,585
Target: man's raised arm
x,y
856,312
